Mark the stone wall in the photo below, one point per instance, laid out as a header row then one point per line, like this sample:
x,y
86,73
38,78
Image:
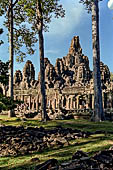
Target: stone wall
x,y
69,84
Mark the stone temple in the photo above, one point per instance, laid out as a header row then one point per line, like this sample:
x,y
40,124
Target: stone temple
x,y
69,85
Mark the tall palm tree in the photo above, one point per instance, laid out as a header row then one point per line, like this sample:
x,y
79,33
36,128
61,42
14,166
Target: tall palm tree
x,y
11,52
92,6
41,53
38,14
43,17
98,114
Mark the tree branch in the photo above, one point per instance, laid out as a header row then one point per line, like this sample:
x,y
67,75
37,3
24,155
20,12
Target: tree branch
x,y
15,3
10,7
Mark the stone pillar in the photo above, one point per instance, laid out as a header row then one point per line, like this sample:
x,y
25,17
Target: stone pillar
x,y
22,98
71,103
54,104
25,108
49,106
37,101
75,104
61,102
62,98
29,102
103,99
15,97
77,98
37,105
58,103
33,104
92,101
67,103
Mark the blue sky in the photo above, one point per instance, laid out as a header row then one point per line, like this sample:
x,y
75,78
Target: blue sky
x,y
61,31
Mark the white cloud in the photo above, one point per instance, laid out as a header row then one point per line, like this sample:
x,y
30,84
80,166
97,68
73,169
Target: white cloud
x,y
64,26
51,51
110,4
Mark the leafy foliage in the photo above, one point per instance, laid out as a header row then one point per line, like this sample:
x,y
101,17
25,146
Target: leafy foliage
x,y
25,22
28,13
22,32
22,36
4,75
49,7
111,76
6,103
88,4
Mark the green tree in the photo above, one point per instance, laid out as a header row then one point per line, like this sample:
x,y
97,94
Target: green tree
x,y
31,17
6,103
92,5
18,35
11,52
38,13
111,76
4,73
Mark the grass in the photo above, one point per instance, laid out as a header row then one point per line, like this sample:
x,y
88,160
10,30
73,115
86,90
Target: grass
x,y
94,143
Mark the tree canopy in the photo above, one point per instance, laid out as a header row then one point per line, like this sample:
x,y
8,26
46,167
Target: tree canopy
x,y
88,4
6,103
25,21
22,32
4,75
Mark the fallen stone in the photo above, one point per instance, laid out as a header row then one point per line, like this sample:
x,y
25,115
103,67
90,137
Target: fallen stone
x,y
47,165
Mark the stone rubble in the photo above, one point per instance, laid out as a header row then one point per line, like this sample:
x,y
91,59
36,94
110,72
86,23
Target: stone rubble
x,y
17,140
102,160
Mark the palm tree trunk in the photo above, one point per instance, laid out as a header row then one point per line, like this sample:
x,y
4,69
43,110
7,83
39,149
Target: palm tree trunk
x,y
98,114
11,53
42,66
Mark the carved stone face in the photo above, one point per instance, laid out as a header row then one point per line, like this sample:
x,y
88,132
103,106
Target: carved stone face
x,y
75,45
17,77
29,71
105,73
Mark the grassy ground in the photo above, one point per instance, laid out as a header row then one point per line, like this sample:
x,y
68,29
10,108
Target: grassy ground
x,y
91,145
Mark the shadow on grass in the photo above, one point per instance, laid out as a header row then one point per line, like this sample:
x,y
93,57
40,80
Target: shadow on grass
x,y
83,125
63,156
92,144
87,125
60,153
